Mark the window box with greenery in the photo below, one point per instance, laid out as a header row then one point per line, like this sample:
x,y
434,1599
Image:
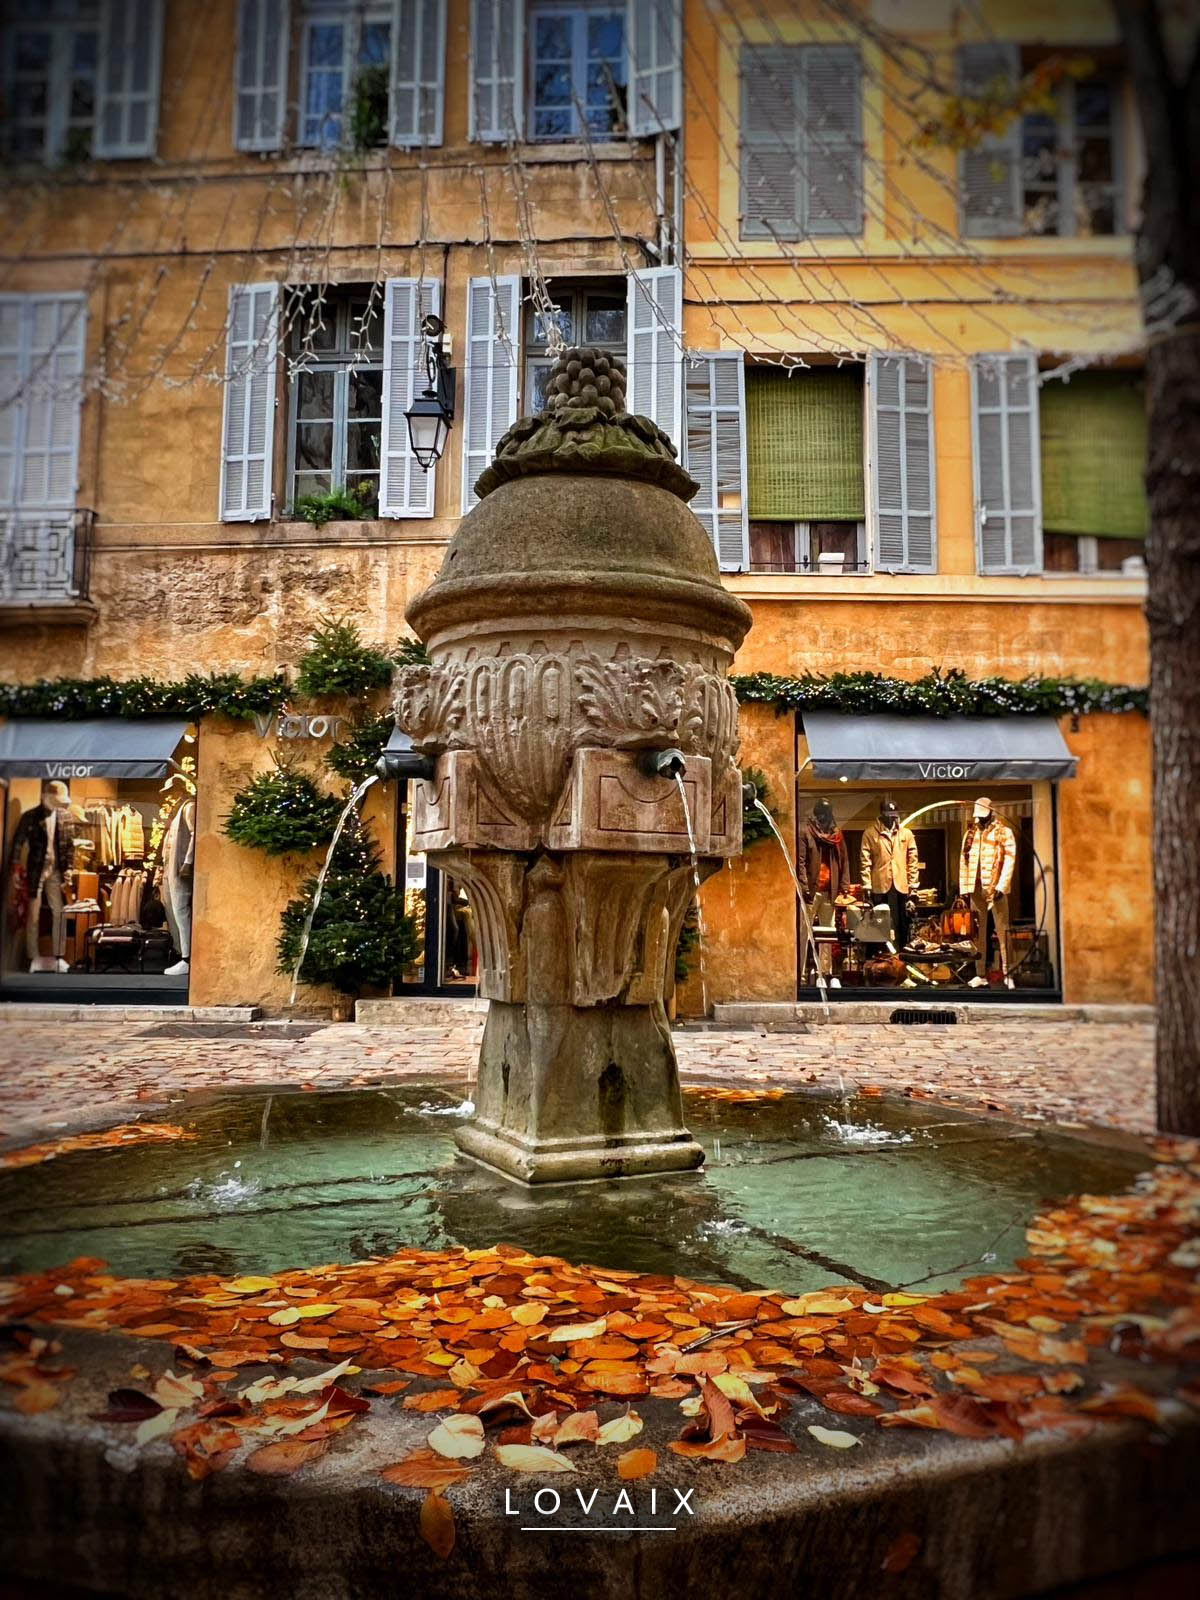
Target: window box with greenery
x,y
335,402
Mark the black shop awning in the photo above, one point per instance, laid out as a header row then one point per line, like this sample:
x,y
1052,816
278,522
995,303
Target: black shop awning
x,y
884,749
109,747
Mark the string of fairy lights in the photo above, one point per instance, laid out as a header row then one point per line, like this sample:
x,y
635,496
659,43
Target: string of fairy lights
x,y
309,198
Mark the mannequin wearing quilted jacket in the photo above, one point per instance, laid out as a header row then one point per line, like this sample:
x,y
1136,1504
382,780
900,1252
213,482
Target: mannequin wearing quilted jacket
x,y
985,873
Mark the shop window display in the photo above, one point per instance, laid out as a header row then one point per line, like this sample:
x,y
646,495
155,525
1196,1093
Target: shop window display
x,y
98,877
920,892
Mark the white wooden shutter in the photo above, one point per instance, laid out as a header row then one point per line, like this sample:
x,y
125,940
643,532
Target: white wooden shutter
x,y
989,174
490,379
248,425
654,29
654,317
900,395
261,74
497,70
831,157
404,489
42,340
715,391
770,143
130,72
1008,486
417,93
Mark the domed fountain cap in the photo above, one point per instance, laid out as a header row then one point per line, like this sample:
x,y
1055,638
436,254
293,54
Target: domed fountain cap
x,y
584,508
584,427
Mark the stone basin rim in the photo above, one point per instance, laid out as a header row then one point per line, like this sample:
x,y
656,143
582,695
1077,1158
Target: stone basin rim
x,y
646,597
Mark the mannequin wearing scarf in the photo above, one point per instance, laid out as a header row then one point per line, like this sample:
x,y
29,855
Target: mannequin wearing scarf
x,y
822,861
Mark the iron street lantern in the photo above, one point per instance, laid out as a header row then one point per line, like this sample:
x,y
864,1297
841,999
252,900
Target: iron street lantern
x,y
431,413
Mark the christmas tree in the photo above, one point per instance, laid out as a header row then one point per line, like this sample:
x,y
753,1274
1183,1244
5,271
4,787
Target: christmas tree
x,y
362,937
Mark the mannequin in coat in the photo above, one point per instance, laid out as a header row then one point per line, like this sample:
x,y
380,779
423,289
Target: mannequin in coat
x,y
43,850
179,855
889,866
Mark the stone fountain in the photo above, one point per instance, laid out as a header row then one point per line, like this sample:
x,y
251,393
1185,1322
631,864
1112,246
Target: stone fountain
x,y
580,737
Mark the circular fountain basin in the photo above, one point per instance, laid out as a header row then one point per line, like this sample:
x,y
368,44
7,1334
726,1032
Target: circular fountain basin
x,y
798,1191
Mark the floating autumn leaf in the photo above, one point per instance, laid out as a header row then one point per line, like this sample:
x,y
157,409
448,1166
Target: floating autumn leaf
x,y
286,1456
636,1464
619,1430
832,1437
816,1304
425,1469
249,1285
437,1523
458,1437
532,1458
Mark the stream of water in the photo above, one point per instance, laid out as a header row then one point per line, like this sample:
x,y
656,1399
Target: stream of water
x,y
306,933
691,833
810,936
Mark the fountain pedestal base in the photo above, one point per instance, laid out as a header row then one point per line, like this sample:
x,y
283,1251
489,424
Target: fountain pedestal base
x,y
568,1093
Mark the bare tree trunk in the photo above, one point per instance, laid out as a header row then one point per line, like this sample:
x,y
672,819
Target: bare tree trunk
x,y
1168,258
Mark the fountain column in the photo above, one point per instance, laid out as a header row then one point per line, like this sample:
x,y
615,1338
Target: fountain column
x,y
582,727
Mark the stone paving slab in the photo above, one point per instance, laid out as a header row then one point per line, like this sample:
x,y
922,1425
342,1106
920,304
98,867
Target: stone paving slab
x,y
59,1072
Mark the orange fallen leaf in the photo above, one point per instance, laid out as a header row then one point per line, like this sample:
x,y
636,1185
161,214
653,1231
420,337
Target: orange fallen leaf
x,y
901,1553
424,1469
286,1456
432,1400
636,1464
437,1523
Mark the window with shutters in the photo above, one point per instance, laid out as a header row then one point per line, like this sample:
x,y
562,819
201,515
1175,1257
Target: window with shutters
x,y
587,313
335,393
345,61
51,67
41,363
1092,432
577,70
900,402
260,83
1055,171
801,141
805,465
81,79
715,454
1007,469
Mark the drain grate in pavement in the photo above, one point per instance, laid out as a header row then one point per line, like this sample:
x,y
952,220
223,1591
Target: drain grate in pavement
x,y
231,1030
923,1014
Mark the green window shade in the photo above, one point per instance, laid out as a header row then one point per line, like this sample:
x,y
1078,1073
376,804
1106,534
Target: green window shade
x,y
804,445
1094,456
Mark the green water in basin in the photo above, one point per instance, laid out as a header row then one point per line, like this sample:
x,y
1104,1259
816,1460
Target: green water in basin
x,y
795,1193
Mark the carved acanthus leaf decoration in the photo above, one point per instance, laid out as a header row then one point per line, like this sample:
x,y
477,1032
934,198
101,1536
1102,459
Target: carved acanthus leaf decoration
x,y
428,704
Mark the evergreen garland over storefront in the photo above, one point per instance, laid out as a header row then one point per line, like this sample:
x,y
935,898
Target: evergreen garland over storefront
x,y
939,694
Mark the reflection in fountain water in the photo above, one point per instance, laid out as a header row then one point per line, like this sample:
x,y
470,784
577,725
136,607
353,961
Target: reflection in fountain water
x,y
804,1192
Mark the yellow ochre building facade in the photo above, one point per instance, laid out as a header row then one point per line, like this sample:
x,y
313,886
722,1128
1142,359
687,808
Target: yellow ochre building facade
x,y
905,375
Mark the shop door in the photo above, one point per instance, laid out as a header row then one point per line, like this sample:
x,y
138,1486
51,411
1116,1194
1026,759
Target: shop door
x,y
447,961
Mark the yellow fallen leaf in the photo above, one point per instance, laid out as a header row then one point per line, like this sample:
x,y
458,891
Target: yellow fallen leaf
x,y
527,1315
322,1379
577,1330
817,1304
898,1297
578,1428
440,1358
179,1392
532,1458
833,1437
249,1285
319,1310
620,1429
463,1374
437,1523
458,1437
154,1427
284,1318
736,1388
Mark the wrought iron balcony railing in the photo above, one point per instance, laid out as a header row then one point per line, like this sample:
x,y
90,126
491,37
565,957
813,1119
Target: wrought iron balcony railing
x,y
45,557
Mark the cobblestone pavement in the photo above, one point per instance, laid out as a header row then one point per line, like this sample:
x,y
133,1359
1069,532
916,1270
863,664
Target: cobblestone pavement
x,y
56,1074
